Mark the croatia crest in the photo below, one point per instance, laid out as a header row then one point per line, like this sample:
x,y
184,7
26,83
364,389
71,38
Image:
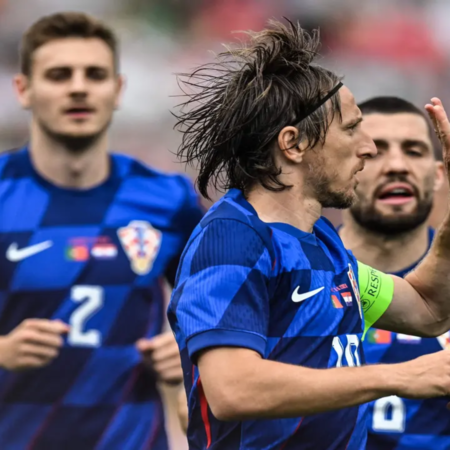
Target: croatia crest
x,y
140,242
444,340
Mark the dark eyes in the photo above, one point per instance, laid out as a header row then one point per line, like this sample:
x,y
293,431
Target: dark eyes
x,y
59,74
352,128
414,153
65,73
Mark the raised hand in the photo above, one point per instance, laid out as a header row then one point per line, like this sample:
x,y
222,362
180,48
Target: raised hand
x,y
441,125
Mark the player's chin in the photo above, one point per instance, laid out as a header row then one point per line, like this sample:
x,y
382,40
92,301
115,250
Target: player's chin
x,y
80,131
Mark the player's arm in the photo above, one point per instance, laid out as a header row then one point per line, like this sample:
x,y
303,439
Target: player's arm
x,y
239,384
421,302
221,305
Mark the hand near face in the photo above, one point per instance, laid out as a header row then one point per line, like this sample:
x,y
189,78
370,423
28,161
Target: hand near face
x,y
441,124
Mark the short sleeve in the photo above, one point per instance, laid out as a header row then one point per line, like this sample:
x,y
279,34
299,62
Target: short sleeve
x,y
221,297
377,292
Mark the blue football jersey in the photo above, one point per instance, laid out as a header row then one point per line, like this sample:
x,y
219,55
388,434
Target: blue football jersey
x,y
402,424
94,259
291,296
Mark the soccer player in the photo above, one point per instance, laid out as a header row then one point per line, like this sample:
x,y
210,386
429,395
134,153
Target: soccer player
x,y
387,229
86,239
269,308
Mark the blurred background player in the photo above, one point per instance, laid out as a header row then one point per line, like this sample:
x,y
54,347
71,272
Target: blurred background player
x,y
387,228
86,238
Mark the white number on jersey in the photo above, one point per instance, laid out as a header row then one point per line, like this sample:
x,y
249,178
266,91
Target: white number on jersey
x,y
91,300
351,351
389,414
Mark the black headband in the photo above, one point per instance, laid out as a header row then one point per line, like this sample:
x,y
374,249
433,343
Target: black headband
x,y
317,105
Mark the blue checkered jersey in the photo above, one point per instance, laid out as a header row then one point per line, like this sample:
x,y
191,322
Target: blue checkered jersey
x,y
289,295
96,260
402,424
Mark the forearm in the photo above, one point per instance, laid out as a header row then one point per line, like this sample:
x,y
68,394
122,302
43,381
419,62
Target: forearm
x,y
268,389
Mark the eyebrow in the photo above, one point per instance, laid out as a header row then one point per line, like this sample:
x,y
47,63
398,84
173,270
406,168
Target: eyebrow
x,y
68,67
404,143
416,142
354,122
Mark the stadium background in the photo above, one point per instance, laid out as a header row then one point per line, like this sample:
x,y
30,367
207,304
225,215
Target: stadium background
x,y
383,47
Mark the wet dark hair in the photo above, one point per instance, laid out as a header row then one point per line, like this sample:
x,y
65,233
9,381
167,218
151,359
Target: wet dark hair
x,y
389,105
237,105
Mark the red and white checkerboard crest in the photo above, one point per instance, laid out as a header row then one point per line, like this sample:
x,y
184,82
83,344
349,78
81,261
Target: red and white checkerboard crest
x,y
444,340
141,243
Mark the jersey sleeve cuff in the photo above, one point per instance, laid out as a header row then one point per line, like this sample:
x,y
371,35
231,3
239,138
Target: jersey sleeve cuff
x,y
225,338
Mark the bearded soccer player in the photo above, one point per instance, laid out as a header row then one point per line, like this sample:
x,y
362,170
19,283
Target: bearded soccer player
x,y
387,229
86,238
271,346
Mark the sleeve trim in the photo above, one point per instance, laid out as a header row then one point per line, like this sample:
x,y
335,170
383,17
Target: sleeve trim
x,y
225,338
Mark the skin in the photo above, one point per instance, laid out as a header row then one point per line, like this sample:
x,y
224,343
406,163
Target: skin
x,y
405,152
71,151
239,384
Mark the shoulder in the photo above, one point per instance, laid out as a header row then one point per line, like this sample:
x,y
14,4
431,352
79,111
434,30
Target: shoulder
x,y
235,218
13,164
141,179
229,235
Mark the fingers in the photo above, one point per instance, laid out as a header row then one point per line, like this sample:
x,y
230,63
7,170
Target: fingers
x,y
46,326
161,345
162,355
440,120
167,365
43,339
39,351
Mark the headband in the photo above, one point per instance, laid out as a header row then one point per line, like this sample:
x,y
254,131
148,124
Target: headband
x,y
317,105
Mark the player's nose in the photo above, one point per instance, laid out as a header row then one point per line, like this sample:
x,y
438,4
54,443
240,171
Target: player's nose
x,y
367,148
395,161
78,83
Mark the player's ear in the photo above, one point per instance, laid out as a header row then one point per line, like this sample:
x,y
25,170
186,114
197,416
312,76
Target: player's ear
x,y
120,87
290,144
21,87
440,176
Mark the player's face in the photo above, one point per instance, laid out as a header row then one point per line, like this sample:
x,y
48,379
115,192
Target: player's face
x,y
333,168
73,89
396,189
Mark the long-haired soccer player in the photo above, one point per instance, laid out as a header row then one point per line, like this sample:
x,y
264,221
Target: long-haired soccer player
x,y
269,308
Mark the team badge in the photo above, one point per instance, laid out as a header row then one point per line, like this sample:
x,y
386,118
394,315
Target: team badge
x,y
347,296
141,243
444,340
354,283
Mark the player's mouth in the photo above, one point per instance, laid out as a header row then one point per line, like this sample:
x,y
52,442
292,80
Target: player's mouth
x,y
396,194
79,112
355,173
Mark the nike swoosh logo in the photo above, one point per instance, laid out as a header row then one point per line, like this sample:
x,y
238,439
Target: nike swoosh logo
x,y
14,254
296,297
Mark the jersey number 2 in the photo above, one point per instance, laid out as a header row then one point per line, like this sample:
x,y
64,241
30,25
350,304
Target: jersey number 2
x,y
91,300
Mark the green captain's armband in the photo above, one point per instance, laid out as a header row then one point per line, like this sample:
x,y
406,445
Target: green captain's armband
x,y
376,291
